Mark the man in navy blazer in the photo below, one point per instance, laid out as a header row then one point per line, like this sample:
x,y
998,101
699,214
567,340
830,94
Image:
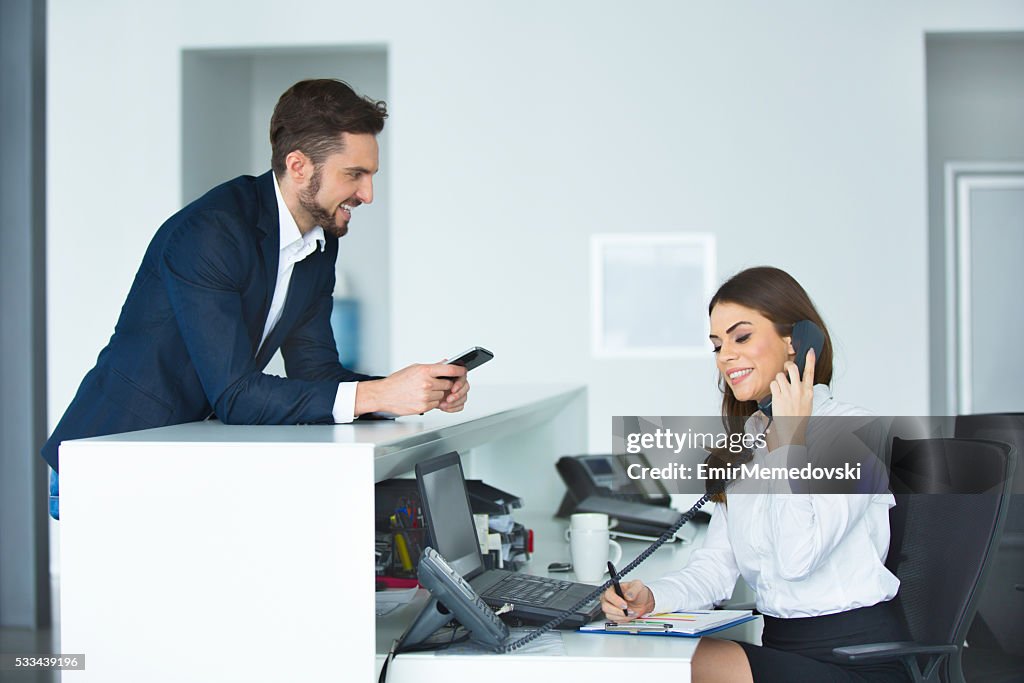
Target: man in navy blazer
x,y
244,270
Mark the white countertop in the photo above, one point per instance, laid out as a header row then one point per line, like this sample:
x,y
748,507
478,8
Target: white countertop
x,y
491,412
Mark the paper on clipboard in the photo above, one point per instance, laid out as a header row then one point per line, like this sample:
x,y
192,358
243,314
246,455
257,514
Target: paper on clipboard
x,y
683,624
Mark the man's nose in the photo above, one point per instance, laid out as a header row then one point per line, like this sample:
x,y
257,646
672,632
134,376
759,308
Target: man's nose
x,y
365,193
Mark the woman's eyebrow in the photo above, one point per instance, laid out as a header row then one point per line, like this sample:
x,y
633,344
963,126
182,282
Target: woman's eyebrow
x,y
742,322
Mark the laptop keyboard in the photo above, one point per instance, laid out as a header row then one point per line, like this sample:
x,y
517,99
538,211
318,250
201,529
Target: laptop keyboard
x,y
524,588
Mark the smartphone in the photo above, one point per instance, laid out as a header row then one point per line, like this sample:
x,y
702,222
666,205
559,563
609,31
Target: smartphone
x,y
806,335
469,359
472,358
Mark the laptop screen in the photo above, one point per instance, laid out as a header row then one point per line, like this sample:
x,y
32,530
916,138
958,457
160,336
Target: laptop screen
x,y
447,513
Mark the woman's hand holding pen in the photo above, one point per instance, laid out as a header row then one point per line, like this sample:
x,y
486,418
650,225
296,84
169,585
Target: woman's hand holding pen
x,y
639,601
792,401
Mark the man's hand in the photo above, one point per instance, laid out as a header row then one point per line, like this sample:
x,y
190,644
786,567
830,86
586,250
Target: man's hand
x,y
414,390
455,398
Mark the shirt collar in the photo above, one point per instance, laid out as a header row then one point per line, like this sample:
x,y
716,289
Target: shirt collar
x,y
822,396
291,236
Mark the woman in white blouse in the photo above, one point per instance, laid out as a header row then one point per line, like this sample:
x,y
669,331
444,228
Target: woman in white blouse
x,y
816,561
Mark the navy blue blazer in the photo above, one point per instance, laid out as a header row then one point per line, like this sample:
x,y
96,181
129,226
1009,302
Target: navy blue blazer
x,y
186,342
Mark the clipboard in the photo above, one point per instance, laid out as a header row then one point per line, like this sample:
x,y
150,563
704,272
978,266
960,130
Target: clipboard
x,y
678,624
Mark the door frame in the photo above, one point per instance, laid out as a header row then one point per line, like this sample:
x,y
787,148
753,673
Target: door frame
x,y
960,179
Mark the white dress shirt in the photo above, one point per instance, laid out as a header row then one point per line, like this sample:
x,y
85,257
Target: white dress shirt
x,y
294,247
804,554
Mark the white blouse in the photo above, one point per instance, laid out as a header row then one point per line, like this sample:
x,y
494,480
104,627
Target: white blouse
x,y
804,554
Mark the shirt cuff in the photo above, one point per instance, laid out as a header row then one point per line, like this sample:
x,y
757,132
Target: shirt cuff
x,y
345,403
660,605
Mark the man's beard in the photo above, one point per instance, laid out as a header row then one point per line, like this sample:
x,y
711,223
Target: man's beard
x,y
325,219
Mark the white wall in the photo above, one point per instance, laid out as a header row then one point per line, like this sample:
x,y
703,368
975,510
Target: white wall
x,y
795,131
216,94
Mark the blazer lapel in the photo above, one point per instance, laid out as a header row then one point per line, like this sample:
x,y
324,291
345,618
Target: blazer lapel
x,y
270,244
300,289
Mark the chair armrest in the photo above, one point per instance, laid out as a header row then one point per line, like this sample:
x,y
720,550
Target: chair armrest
x,y
883,652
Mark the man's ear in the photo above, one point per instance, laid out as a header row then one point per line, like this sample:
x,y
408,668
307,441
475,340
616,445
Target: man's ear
x,y
298,166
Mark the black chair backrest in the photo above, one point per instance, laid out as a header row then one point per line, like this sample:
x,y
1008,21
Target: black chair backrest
x,y
1000,619
942,542
1009,428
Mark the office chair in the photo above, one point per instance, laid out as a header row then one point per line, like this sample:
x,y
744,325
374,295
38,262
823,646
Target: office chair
x,y
915,427
995,643
941,547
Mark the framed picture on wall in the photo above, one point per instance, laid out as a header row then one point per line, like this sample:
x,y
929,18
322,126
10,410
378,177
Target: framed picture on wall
x,y
649,293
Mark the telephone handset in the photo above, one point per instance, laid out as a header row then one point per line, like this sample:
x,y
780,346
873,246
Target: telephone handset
x,y
806,335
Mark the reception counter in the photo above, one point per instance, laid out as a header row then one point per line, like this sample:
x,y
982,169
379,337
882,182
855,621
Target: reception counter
x,y
211,552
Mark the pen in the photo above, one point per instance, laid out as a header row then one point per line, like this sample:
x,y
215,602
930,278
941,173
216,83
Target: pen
x,y
615,582
403,552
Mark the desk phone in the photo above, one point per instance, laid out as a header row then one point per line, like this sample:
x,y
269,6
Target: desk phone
x,y
452,597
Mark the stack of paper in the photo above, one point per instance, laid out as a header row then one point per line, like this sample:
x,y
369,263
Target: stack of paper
x,y
390,600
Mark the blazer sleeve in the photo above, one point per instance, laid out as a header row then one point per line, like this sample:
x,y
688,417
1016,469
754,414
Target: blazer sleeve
x,y
204,268
310,351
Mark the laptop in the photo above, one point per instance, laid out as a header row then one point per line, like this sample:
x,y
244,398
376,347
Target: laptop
x,y
449,518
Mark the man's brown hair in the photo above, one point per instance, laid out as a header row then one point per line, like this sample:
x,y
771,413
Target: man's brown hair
x,y
311,116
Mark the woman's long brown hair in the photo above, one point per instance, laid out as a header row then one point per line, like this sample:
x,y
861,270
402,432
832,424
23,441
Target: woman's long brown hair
x,y
777,296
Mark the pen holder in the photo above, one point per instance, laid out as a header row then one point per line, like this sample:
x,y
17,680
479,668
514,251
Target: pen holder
x,y
406,548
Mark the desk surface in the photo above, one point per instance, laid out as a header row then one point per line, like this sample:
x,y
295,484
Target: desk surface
x,y
606,653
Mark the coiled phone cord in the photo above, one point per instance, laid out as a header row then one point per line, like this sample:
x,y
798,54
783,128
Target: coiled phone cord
x,y
664,538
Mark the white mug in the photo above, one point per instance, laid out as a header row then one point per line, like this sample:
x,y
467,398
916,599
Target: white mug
x,y
589,546
588,520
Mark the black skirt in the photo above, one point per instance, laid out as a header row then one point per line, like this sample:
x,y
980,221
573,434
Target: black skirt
x,y
798,650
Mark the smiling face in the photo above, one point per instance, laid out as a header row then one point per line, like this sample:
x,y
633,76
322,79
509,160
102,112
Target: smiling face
x,y
748,350
340,183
